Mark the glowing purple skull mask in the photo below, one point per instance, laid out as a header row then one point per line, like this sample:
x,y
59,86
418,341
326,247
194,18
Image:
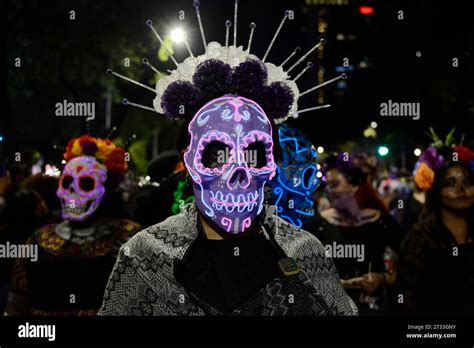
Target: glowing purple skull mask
x,y
81,187
231,194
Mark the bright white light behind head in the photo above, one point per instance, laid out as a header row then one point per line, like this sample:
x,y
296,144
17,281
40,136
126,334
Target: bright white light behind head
x,y
177,35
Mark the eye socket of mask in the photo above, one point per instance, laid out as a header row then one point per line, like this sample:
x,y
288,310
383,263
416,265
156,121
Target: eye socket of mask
x,y
86,183
309,177
66,181
213,154
184,138
255,155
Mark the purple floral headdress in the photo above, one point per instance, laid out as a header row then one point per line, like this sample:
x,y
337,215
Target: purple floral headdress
x,y
434,157
229,96
228,70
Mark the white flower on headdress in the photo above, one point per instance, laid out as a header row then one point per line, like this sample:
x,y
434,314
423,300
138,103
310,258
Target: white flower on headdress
x,y
187,68
161,86
163,83
294,88
294,108
157,104
275,73
213,50
235,55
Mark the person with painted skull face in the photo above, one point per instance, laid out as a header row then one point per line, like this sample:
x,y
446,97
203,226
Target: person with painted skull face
x,y
227,253
437,256
76,255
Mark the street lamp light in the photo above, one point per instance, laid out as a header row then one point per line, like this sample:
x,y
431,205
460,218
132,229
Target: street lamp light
x,y
177,35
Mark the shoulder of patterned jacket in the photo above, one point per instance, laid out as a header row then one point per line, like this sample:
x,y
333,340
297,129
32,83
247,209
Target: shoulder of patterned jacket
x,y
145,263
169,238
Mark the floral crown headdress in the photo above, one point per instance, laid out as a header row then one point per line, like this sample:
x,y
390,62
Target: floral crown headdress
x,y
228,69
433,158
104,150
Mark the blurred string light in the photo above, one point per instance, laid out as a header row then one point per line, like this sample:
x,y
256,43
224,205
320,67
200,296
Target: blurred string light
x,y
319,175
370,131
383,150
146,181
51,170
35,169
417,152
320,149
364,63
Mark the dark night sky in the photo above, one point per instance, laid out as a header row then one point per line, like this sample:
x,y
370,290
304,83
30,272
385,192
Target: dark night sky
x,y
440,31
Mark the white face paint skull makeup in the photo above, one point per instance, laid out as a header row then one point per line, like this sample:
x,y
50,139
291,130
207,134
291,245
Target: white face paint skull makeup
x,y
229,189
81,187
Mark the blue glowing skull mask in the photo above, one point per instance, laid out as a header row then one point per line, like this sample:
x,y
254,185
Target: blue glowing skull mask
x,y
230,193
296,181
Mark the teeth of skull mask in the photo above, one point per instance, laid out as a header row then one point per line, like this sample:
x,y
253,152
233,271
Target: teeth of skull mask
x,y
230,158
81,187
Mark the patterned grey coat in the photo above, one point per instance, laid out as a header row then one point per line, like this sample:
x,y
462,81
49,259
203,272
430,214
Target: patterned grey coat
x,y
143,283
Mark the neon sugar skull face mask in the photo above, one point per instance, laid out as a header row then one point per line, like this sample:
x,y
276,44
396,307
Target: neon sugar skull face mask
x,y
81,187
230,158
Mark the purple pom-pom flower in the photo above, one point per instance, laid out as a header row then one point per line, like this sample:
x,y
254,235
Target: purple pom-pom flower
x,y
213,78
276,99
432,158
249,78
180,100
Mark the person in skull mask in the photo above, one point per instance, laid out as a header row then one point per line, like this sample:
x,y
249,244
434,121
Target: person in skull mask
x,y
76,255
358,219
226,253
296,181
